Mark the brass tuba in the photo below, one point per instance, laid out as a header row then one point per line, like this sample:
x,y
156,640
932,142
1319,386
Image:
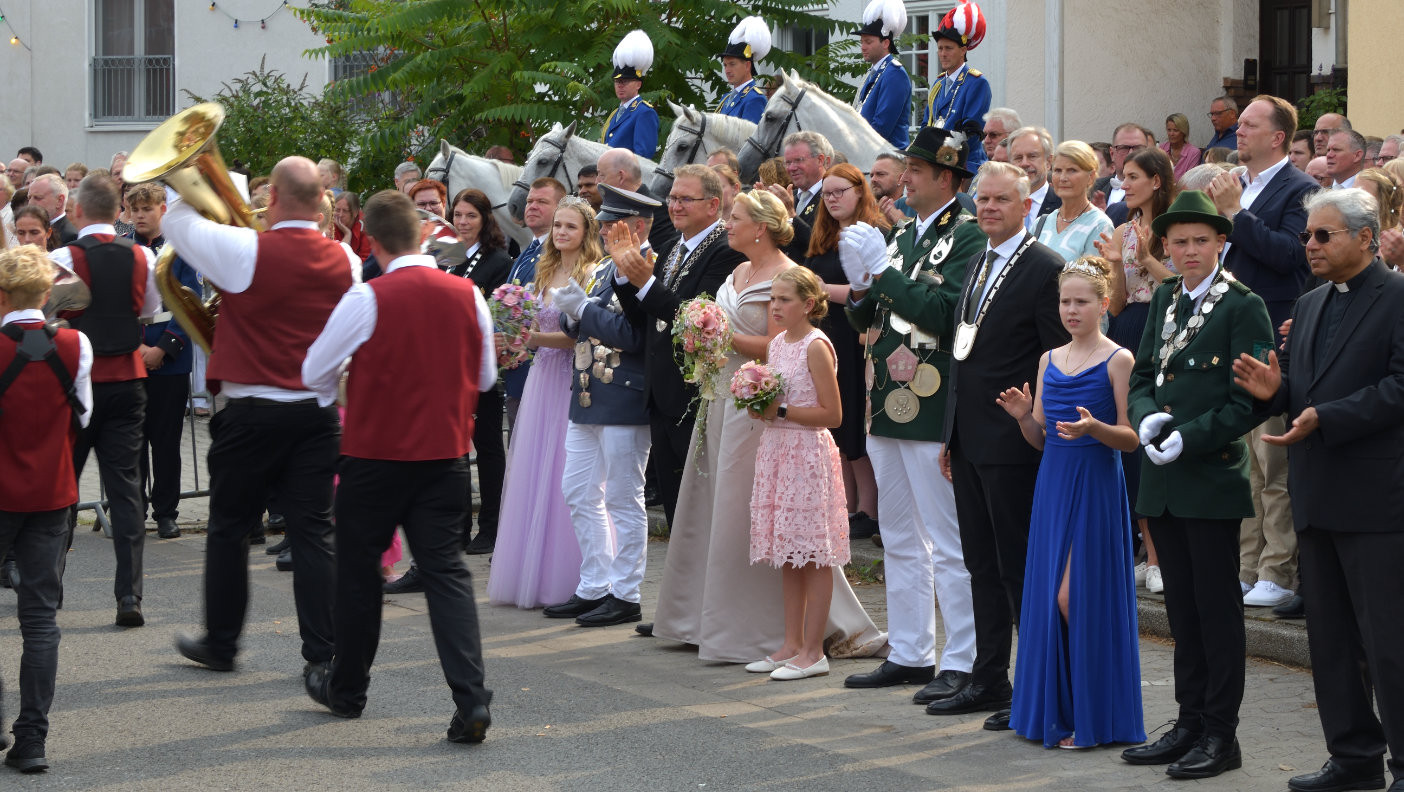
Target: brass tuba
x,y
182,153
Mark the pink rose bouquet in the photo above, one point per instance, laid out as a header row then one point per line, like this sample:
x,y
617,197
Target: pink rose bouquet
x,y
755,386
513,308
702,332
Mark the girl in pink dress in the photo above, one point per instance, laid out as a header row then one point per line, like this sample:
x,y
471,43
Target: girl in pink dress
x,y
799,514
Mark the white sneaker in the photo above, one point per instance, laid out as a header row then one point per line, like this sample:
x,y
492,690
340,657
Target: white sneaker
x,y
1153,582
1266,594
1140,572
1246,588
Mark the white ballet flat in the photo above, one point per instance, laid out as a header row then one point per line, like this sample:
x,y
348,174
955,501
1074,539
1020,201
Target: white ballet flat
x,y
765,665
790,671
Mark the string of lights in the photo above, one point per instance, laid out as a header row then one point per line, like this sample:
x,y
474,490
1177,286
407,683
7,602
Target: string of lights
x,y
262,23
14,34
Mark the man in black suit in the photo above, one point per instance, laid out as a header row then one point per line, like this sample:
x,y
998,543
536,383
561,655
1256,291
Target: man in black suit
x,y
1265,205
807,156
1341,378
619,168
1007,317
50,192
1031,148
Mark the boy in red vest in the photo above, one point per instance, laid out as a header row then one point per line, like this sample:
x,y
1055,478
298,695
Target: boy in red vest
x,y
44,383
405,440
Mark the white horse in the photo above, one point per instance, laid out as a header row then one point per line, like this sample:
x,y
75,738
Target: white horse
x,y
560,154
458,170
694,137
796,104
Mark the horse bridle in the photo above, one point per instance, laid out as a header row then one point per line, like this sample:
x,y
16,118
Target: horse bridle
x,y
697,145
448,173
771,148
557,164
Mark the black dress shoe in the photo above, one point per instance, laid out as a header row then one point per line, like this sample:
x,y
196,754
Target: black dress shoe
x,y
646,630
470,728
1208,758
998,721
275,524
1294,608
481,545
198,650
889,674
612,611
284,562
9,575
1169,748
316,680
575,606
409,583
946,684
129,612
861,526
1335,778
166,528
28,755
973,697
279,547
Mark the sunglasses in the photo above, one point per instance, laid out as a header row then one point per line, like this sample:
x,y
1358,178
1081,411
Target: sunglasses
x,y
1321,235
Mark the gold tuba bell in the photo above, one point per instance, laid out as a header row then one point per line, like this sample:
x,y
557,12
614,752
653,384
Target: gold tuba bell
x,y
182,154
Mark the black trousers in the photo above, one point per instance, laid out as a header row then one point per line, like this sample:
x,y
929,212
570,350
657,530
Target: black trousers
x,y
993,505
1353,589
427,499
115,433
1204,604
166,395
671,438
257,444
39,541
491,461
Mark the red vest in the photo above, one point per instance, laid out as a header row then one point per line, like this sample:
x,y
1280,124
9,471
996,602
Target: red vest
x,y
413,385
264,331
36,452
128,366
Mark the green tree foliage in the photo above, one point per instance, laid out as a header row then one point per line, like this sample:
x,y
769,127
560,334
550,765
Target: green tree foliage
x,y
268,118
1310,108
503,71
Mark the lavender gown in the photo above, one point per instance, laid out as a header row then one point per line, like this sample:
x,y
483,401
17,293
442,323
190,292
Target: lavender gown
x,y
537,559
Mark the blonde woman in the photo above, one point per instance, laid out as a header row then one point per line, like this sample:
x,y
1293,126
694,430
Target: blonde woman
x,y
536,560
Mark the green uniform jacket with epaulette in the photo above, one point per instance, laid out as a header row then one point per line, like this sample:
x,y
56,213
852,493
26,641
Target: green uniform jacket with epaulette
x,y
1209,480
928,303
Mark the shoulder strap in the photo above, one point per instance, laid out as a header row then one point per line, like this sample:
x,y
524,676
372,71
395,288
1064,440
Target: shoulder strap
x,y
38,344
1038,227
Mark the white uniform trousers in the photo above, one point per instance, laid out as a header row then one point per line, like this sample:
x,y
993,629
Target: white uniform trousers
x,y
603,484
922,555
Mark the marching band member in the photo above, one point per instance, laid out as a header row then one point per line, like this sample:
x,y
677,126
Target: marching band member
x,y
885,98
749,42
634,123
962,94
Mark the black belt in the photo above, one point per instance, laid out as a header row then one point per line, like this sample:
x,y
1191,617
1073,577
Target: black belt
x,y
258,401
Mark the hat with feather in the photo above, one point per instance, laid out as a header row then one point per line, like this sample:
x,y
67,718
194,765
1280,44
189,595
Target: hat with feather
x,y
750,39
964,24
633,57
884,19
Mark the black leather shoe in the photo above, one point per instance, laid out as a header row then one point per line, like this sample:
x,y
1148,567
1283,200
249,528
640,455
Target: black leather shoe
x,y
129,612
470,728
612,611
277,549
1334,778
166,528
284,562
275,524
998,721
973,697
481,545
946,684
890,674
1169,748
409,583
575,606
861,526
198,650
9,575
1208,758
646,630
316,679
1294,608
28,755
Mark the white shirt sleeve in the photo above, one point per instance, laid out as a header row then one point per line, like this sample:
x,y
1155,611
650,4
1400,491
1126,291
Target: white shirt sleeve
x,y
226,255
355,261
83,383
487,370
350,325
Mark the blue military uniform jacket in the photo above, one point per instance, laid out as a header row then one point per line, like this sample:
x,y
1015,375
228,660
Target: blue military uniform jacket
x,y
956,98
607,372
744,101
633,126
885,100
169,335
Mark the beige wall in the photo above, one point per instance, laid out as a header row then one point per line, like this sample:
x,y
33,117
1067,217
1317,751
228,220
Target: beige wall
x,y
1375,98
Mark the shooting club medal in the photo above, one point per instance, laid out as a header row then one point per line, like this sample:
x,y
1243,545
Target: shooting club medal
x,y
964,339
1173,341
965,331
926,380
901,405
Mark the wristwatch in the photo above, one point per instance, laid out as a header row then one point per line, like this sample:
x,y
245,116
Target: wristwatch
x,y
781,410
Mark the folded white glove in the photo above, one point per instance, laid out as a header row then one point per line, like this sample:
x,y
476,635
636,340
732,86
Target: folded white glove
x,y
874,246
1169,450
570,299
1151,426
851,259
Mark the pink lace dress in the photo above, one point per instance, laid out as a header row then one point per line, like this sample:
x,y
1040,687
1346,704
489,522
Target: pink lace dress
x,y
798,511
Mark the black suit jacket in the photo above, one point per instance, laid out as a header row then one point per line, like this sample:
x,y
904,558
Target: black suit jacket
x,y
1051,202
661,235
1020,324
1340,475
64,230
488,272
1265,252
1117,213
798,249
664,388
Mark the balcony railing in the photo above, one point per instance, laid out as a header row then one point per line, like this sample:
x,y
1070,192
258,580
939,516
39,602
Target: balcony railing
x,y
133,88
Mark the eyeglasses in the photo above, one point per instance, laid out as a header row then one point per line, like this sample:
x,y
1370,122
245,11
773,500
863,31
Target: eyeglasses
x,y
994,135
1325,131
1216,113
1321,235
800,161
1124,149
430,205
684,200
838,193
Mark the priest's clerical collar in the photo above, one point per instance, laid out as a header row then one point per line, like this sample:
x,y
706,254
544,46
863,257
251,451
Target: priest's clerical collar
x,y
1355,282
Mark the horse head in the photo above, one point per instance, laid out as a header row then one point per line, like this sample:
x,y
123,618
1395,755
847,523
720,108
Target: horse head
x,y
544,159
779,116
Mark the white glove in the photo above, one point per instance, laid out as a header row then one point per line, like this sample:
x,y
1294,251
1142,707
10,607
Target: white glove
x,y
851,258
1151,426
1169,450
570,299
874,247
